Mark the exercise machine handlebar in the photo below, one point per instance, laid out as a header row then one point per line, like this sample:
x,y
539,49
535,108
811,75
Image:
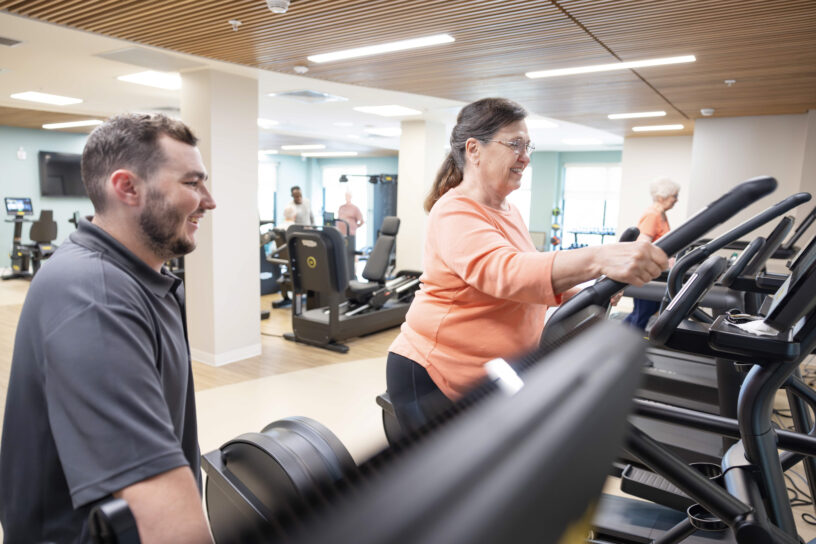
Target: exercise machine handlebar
x,y
678,272
683,304
706,219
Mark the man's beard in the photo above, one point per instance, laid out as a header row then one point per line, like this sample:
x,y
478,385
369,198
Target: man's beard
x,y
160,224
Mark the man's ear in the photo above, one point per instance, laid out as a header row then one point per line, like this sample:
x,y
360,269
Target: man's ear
x,y
127,187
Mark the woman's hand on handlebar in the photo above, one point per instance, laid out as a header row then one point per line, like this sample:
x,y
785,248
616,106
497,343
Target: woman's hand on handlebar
x,y
634,262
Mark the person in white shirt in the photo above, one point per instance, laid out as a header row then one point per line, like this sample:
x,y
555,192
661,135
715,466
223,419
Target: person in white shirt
x,y
301,207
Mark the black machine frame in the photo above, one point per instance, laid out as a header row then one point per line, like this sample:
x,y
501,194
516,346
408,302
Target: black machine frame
x,y
318,264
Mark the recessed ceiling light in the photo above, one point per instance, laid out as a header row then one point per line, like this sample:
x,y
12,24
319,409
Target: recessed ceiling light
x,y
45,98
264,153
330,154
388,111
582,141
343,124
163,80
71,124
309,96
610,67
540,123
657,127
267,123
302,147
636,115
386,132
382,48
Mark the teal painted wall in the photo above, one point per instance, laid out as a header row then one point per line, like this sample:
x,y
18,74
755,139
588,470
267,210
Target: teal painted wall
x,y
547,188
543,190
308,174
373,165
21,178
292,171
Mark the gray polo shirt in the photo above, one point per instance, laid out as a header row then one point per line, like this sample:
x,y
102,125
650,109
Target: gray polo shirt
x,y
101,390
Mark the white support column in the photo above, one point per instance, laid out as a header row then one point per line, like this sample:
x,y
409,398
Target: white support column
x,y
422,148
222,274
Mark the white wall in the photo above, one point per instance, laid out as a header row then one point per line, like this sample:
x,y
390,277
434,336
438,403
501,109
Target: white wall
x,y
645,159
731,150
808,182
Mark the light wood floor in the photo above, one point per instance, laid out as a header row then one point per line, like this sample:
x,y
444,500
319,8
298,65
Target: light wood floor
x,y
278,356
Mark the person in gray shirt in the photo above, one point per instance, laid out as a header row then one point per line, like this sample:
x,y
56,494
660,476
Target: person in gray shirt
x,y
101,400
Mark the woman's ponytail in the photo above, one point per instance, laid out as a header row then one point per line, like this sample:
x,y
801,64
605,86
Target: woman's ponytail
x,y
448,177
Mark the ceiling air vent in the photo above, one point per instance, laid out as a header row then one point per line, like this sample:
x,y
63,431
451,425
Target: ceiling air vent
x,y
310,97
147,58
8,42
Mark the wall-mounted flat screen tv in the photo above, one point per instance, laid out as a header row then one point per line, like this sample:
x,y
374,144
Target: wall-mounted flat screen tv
x,y
61,174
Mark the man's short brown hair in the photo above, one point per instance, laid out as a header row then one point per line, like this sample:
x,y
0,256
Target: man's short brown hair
x,y
127,141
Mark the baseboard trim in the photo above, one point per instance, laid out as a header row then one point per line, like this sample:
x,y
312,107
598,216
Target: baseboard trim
x,y
220,359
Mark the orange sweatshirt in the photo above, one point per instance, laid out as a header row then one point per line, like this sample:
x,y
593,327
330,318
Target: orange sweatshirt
x,y
653,222
485,293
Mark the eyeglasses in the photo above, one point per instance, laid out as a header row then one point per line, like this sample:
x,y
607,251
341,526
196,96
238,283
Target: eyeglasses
x,y
517,146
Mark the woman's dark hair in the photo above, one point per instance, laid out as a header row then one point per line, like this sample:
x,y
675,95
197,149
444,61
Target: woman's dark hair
x,y
481,120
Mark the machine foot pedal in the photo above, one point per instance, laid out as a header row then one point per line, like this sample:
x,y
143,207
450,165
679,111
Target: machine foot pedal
x,y
653,487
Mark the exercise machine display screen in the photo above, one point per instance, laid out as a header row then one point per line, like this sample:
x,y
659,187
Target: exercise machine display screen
x,y
795,298
19,206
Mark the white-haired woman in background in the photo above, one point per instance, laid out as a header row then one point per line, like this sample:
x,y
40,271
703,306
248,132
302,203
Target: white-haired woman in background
x,y
652,225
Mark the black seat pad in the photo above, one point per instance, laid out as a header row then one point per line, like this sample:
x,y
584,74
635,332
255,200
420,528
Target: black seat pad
x,y
360,290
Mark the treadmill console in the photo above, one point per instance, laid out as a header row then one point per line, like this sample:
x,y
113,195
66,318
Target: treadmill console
x,y
19,206
795,298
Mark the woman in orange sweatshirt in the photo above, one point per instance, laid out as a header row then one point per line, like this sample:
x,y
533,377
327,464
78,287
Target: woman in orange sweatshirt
x,y
485,289
652,225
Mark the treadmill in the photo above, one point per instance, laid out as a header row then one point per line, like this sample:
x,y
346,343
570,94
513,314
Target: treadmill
x,y
701,382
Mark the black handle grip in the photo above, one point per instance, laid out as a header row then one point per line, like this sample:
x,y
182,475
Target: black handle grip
x,y
738,267
686,300
706,219
112,522
800,230
772,243
699,254
630,235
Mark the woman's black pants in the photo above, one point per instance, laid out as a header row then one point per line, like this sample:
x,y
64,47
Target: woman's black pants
x,y
415,397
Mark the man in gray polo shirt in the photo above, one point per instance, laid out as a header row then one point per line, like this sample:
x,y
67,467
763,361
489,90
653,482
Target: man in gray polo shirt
x,y
101,400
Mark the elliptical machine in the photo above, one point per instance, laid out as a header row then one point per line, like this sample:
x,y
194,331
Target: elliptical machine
x,y
26,259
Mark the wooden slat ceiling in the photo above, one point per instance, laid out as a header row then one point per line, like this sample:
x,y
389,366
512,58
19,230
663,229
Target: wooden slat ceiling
x,y
27,118
767,46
